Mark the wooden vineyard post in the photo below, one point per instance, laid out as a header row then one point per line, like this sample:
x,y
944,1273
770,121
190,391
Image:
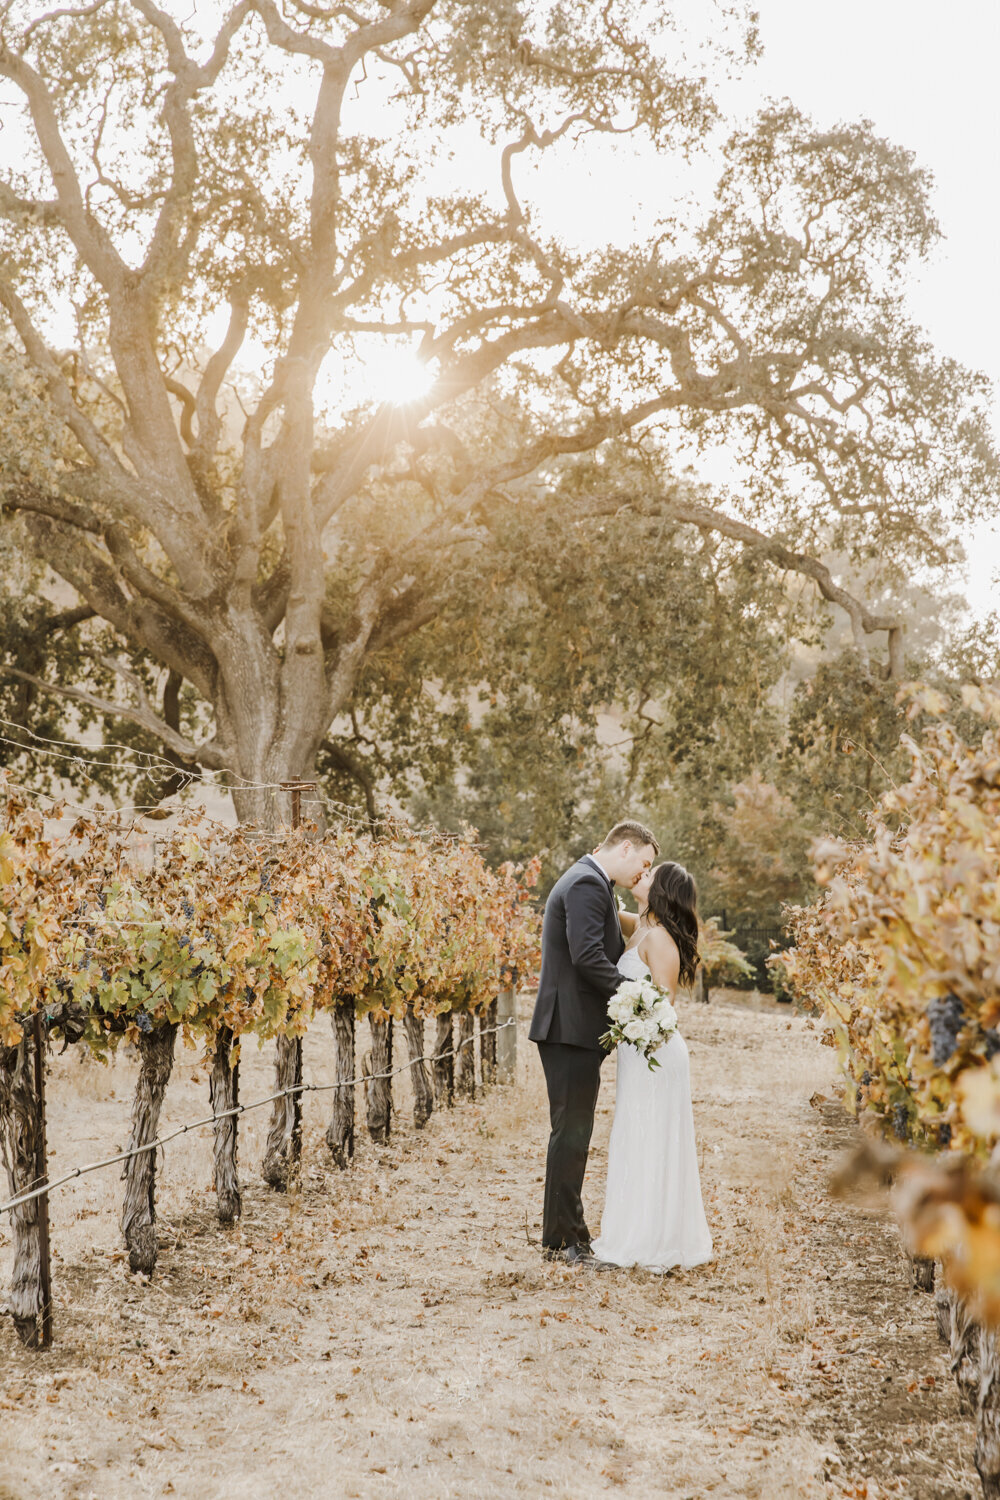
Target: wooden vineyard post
x,y
340,1131
156,1061
987,1455
507,1036
465,1056
283,1149
284,1129
22,1135
423,1094
295,1143
44,1338
922,1272
379,1089
488,1042
224,1092
444,1059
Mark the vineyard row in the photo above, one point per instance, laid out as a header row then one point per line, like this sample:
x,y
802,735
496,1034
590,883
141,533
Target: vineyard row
x,y
231,934
901,956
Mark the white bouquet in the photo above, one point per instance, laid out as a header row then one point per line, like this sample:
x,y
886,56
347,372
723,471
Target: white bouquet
x,y
641,1014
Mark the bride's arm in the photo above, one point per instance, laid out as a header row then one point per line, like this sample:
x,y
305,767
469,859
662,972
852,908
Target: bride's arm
x,y
627,921
659,952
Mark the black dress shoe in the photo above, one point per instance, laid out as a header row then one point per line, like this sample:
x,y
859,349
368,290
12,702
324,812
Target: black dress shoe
x,y
583,1256
569,1254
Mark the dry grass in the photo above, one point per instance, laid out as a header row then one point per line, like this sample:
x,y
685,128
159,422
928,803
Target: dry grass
x,y
391,1332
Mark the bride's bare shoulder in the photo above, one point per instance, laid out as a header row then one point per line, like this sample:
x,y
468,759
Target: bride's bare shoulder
x,y
659,953
660,940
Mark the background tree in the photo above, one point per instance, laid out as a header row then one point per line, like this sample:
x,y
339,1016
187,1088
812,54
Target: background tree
x,y
283,167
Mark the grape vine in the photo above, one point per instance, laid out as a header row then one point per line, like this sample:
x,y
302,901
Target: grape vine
x,y
901,955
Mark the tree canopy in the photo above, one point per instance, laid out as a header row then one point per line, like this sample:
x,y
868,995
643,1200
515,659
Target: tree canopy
x,y
280,164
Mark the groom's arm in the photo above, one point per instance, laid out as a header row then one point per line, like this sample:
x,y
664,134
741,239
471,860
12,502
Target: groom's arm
x,y
586,910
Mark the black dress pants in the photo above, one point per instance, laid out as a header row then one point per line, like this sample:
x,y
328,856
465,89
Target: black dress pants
x,y
573,1079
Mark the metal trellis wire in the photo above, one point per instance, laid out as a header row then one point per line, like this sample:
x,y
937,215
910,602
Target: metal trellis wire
x,y
239,1109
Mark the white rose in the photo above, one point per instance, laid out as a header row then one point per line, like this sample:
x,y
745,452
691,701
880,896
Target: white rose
x,y
635,1030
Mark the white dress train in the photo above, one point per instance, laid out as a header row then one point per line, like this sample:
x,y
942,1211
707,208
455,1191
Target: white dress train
x,y
653,1213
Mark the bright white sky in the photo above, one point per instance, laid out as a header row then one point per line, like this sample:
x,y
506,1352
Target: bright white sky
x,y
926,74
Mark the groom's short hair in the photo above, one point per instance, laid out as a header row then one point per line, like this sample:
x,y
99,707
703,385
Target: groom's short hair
x,y
637,833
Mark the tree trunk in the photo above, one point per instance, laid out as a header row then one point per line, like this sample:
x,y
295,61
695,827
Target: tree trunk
x,y
423,1094
964,1346
922,1272
224,1092
488,1043
340,1131
465,1056
21,1125
988,1414
267,800
378,1090
944,1298
156,1061
284,1135
444,1060
506,1039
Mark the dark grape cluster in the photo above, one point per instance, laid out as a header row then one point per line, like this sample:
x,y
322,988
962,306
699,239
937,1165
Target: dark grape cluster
x,y
944,1136
900,1121
946,1018
866,1079
187,909
143,1022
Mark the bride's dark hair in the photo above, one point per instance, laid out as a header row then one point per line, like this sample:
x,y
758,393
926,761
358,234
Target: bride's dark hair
x,y
673,902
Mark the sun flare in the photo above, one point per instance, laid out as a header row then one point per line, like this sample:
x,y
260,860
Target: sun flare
x,y
373,376
399,377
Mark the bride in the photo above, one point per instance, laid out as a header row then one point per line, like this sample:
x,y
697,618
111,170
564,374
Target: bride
x,y
653,1213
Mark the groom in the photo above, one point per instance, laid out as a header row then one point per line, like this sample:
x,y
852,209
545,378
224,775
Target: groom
x,y
581,944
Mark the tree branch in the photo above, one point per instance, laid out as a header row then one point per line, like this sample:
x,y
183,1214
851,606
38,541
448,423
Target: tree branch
x,y
206,411
86,434
87,233
162,257
707,518
342,758
150,624
215,757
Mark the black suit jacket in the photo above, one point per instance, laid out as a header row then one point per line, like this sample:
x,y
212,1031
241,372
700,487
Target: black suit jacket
x,y
581,943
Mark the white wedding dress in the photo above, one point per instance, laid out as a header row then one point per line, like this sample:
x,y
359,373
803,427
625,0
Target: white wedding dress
x,y
653,1214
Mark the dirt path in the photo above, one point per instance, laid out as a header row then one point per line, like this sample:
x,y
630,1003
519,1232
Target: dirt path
x,y
390,1331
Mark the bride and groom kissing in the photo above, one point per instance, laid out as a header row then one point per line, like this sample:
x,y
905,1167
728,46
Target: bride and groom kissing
x,y
653,1214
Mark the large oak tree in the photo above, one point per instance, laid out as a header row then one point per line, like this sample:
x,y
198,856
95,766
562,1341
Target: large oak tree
x,y
284,166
